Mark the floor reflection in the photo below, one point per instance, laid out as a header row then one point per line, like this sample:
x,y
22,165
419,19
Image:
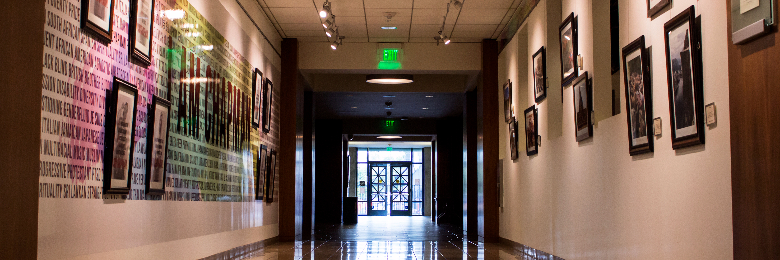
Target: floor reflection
x,y
382,238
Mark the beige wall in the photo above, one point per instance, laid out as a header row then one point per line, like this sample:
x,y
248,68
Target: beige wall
x,y
592,200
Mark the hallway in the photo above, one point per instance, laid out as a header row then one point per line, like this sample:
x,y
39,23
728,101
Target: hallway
x,y
379,237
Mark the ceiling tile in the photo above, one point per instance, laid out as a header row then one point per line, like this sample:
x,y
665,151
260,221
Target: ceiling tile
x,y
295,15
487,3
347,12
314,33
380,12
479,20
431,3
356,39
475,28
389,39
351,21
397,21
379,33
313,39
301,26
287,3
428,30
335,4
388,4
472,34
422,39
428,16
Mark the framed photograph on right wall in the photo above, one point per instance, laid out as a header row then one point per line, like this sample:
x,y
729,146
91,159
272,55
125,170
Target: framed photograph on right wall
x,y
683,76
583,106
270,176
568,37
508,101
639,98
257,96
655,6
531,131
268,90
539,63
513,139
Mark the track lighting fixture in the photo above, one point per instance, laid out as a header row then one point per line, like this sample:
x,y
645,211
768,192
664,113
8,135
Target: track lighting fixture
x,y
333,30
331,21
335,44
441,37
325,9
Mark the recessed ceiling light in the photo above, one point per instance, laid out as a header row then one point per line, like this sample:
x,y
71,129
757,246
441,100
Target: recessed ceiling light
x,y
389,79
389,27
428,96
388,96
389,137
389,108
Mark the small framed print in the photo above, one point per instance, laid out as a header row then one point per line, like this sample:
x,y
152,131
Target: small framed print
x,y
257,87
655,6
508,101
639,98
268,89
583,105
97,16
270,176
712,116
141,29
568,38
531,131
513,138
261,157
539,63
120,133
683,76
157,145
657,130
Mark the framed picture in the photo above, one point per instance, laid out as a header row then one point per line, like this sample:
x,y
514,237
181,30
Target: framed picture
x,y
583,105
261,158
120,131
513,138
157,145
639,98
568,37
257,86
268,89
508,101
539,62
270,176
655,6
683,74
141,23
531,131
97,17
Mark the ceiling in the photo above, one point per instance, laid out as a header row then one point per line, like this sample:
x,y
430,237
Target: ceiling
x,y
384,144
416,20
353,105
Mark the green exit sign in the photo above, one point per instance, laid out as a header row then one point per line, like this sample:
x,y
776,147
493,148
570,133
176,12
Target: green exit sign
x,y
390,55
389,123
389,149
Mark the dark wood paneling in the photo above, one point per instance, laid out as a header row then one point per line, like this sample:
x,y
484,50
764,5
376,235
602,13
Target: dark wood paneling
x,y
754,88
20,98
470,177
489,142
288,112
449,172
327,173
308,166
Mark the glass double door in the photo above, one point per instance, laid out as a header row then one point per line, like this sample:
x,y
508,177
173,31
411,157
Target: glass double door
x,y
389,189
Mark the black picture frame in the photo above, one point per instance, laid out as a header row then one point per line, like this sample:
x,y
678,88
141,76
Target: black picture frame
x,y
158,124
508,101
639,98
686,115
513,139
539,68
531,118
268,89
116,180
102,32
654,8
261,158
270,176
257,97
567,36
143,56
583,106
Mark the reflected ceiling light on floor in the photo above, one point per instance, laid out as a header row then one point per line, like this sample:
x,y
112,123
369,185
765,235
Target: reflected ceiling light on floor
x,y
425,108
428,96
389,137
325,9
389,27
389,79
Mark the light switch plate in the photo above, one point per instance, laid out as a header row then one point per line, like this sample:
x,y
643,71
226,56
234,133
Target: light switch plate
x,y
712,115
657,126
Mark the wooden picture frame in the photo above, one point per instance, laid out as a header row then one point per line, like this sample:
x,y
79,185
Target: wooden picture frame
x,y
268,89
158,124
119,138
257,97
508,101
684,79
539,68
567,36
513,139
141,30
531,117
261,158
655,6
583,106
639,98
97,17
270,176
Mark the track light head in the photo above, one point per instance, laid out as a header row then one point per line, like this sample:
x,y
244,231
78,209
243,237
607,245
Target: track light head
x,y
457,4
446,40
331,21
332,31
325,10
335,44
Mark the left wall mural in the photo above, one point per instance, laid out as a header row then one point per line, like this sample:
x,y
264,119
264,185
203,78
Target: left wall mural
x,y
207,81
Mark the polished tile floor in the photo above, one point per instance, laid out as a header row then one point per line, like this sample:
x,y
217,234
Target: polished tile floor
x,y
384,238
